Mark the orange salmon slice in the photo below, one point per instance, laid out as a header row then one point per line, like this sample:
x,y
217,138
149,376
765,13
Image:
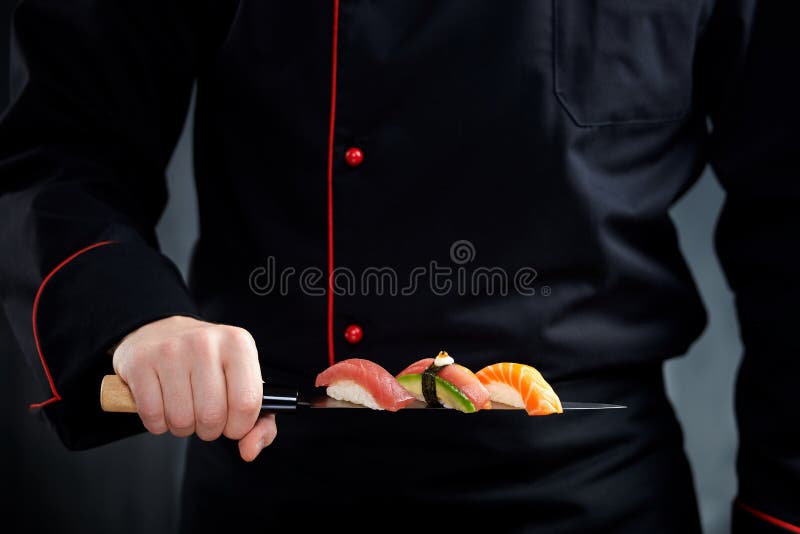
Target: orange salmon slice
x,y
521,386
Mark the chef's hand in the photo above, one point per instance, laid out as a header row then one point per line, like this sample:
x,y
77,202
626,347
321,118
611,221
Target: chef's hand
x,y
190,376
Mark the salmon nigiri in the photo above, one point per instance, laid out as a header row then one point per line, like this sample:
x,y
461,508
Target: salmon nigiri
x,y
521,386
364,382
441,380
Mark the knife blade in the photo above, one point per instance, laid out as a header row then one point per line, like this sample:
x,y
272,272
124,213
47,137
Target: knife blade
x,y
279,399
115,396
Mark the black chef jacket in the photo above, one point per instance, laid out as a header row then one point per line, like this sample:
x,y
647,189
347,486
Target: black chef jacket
x,y
473,139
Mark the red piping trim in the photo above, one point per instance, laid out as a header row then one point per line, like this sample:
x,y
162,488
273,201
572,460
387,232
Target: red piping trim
x,y
56,397
331,127
768,518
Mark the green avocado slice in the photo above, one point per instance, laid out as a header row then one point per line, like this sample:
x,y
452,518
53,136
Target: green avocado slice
x,y
446,391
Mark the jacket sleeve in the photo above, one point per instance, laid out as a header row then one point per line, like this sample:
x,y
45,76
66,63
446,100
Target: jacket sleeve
x,y
752,97
99,94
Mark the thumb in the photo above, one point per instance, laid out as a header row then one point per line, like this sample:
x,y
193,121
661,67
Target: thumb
x,y
259,437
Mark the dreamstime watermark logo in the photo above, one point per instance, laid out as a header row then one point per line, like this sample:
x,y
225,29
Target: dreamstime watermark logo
x,y
462,252
439,279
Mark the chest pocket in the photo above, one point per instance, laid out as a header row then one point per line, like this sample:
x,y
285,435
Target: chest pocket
x,y
624,61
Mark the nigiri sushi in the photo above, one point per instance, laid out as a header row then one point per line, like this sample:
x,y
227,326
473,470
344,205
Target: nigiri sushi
x,y
364,382
521,386
441,381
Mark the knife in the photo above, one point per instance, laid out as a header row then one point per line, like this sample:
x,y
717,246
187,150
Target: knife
x,y
115,396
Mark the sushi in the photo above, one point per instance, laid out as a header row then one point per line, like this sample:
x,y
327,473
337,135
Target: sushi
x,y
441,382
521,386
364,382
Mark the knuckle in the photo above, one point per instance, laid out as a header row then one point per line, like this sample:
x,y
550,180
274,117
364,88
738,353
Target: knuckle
x,y
151,414
245,401
181,433
206,435
156,428
211,417
202,340
171,348
240,339
181,422
235,433
133,357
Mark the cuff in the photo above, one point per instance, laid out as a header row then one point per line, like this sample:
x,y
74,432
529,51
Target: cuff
x,y
83,307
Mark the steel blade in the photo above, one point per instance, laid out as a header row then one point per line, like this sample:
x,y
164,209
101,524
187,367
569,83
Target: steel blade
x,y
329,403
590,406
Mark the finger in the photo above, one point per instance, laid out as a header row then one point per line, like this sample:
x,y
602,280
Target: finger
x,y
260,437
146,390
176,388
244,386
210,399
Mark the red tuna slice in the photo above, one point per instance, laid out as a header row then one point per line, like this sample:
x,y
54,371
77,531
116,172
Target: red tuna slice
x,y
372,378
460,377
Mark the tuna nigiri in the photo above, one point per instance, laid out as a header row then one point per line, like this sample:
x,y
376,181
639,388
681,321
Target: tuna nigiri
x,y
440,380
521,386
364,382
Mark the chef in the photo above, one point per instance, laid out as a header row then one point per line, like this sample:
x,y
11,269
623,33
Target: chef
x,y
352,157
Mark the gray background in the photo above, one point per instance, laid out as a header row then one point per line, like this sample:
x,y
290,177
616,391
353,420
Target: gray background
x,y
132,486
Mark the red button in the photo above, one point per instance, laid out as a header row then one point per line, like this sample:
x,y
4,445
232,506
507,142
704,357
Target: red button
x,y
353,156
353,334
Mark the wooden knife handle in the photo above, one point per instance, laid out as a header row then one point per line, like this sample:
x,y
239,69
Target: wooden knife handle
x,y
115,395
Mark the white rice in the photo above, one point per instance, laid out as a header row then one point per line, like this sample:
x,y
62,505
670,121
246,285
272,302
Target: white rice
x,y
504,394
347,390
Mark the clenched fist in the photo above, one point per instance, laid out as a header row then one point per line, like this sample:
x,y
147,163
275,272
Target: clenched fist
x,y
189,376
